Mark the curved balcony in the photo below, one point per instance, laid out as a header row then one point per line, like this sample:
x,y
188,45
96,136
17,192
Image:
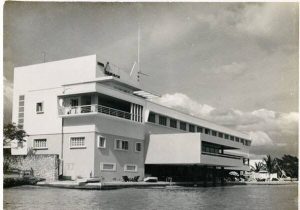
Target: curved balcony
x,y
94,109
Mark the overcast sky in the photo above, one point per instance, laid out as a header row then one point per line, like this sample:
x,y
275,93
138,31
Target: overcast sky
x,y
235,64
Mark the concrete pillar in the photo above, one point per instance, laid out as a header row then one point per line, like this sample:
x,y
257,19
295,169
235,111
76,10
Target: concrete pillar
x,y
214,171
204,176
131,111
222,176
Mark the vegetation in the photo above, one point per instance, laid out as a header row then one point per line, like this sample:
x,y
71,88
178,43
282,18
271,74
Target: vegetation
x,y
257,167
289,164
269,164
12,132
285,166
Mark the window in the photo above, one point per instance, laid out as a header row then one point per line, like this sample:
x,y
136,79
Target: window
x,y
183,126
237,139
138,146
173,123
220,135
39,108
207,131
199,129
101,142
130,168
191,128
77,142
226,136
162,120
151,117
242,141
40,143
121,144
232,138
21,111
248,143
214,133
108,167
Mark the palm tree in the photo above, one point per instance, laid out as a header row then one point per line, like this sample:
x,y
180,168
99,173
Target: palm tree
x,y
257,167
270,164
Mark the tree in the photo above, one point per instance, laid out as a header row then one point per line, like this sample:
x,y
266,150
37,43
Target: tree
x,y
257,167
289,164
12,132
270,164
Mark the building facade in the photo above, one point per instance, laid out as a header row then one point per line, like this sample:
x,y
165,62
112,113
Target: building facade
x,y
101,123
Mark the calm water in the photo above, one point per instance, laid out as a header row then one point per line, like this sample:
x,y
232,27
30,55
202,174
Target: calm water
x,y
235,197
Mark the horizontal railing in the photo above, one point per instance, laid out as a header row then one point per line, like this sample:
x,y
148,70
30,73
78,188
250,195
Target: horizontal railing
x,y
95,108
222,155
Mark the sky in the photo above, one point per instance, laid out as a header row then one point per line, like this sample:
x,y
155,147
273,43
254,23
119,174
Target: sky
x,y
235,64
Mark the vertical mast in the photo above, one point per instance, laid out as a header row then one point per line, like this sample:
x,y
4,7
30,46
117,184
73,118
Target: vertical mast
x,y
139,68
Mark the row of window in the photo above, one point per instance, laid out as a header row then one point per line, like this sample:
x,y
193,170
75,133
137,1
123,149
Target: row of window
x,y
113,167
162,120
211,150
79,142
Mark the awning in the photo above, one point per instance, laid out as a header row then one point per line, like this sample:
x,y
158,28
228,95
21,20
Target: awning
x,y
145,94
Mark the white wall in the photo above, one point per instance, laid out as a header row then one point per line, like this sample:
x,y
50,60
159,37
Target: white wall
x,y
51,75
44,123
174,149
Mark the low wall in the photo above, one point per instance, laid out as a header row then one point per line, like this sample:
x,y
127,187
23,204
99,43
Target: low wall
x,y
43,166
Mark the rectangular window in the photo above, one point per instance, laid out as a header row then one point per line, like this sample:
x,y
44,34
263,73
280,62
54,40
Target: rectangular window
x,y
220,135
151,117
232,138
207,131
108,167
214,133
39,108
226,136
242,141
199,129
162,120
121,144
77,142
183,126
21,111
130,168
138,146
191,128
173,123
237,139
206,149
40,143
101,142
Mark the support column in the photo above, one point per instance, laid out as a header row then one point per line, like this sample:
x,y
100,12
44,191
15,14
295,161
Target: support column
x,y
205,176
214,171
131,111
222,176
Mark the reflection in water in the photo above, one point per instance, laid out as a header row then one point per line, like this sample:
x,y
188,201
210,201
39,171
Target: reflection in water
x,y
235,197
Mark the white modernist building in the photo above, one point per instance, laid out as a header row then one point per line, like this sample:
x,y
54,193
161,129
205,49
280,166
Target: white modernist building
x,y
101,123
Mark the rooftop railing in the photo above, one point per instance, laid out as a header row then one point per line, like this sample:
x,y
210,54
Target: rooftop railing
x,y
95,108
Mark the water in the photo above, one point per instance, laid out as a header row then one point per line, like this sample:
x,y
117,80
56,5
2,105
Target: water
x,y
234,197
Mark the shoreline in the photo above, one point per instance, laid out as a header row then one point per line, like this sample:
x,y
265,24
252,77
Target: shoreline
x,y
120,185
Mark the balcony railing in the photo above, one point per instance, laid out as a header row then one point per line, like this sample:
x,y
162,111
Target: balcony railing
x,y
95,108
222,155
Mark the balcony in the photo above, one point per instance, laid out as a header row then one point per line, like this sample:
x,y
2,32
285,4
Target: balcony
x,y
95,108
